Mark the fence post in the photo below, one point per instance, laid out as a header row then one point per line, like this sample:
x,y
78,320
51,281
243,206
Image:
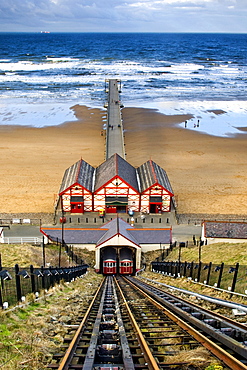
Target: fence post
x,y
199,272
1,299
42,277
169,267
18,283
51,278
234,280
209,271
191,269
43,250
32,278
176,270
1,283
220,275
185,268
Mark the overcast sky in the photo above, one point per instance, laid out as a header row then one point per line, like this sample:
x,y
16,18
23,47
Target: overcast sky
x,y
123,16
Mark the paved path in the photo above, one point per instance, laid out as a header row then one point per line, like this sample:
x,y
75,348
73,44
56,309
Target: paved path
x,y
114,132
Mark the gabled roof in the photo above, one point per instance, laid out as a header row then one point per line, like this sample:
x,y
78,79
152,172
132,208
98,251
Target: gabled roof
x,y
112,167
79,173
117,227
150,174
99,236
222,229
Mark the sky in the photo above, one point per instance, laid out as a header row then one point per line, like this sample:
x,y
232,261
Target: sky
x,y
228,16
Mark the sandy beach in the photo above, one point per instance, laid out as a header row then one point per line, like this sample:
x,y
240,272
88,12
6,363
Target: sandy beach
x,y
208,174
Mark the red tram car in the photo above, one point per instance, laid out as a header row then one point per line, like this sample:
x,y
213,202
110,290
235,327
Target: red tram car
x,y
109,261
125,262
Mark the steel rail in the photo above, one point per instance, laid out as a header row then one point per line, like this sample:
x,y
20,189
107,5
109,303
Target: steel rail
x,y
152,364
219,352
90,356
192,304
126,354
218,301
65,363
229,333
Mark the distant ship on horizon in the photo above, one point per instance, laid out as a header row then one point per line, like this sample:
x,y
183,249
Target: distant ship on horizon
x,y
44,31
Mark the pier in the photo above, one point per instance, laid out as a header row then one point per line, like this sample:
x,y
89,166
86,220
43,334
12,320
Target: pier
x,y
114,130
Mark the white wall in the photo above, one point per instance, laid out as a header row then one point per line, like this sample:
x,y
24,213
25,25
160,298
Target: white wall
x,y
1,235
153,247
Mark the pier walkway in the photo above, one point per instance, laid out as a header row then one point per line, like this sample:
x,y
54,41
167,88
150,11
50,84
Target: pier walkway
x,y
114,130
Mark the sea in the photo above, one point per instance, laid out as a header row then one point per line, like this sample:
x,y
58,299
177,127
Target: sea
x,y
42,75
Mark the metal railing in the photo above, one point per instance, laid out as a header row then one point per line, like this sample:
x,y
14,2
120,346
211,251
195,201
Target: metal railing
x,y
16,283
230,278
22,240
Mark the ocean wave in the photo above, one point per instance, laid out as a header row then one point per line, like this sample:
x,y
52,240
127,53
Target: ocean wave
x,y
67,69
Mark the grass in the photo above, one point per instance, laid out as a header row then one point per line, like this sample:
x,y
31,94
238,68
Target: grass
x,y
25,254
216,253
28,335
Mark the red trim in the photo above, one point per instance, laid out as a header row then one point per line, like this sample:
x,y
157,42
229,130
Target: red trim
x,y
168,228
155,184
71,228
112,179
71,186
116,160
152,169
116,235
78,170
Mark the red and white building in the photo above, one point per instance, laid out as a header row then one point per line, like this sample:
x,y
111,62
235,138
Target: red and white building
x,y
115,187
76,191
155,188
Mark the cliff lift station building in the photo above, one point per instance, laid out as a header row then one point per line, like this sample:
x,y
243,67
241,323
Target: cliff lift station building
x,y
115,186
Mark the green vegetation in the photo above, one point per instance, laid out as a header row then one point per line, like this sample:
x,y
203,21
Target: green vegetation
x,y
25,255
216,253
30,335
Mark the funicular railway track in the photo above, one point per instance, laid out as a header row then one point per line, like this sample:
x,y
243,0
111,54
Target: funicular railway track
x,y
143,331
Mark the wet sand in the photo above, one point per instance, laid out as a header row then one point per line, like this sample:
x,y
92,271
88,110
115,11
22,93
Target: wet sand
x,y
208,174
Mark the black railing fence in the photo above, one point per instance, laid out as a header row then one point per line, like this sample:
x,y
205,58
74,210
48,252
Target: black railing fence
x,y
68,249
232,278
16,282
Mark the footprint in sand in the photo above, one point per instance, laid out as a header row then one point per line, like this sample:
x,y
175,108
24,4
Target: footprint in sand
x,y
197,152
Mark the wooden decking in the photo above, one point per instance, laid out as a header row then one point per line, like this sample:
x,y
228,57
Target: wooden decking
x,y
114,130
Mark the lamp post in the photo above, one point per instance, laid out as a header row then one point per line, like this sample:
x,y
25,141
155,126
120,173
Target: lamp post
x,y
200,250
179,252
62,243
